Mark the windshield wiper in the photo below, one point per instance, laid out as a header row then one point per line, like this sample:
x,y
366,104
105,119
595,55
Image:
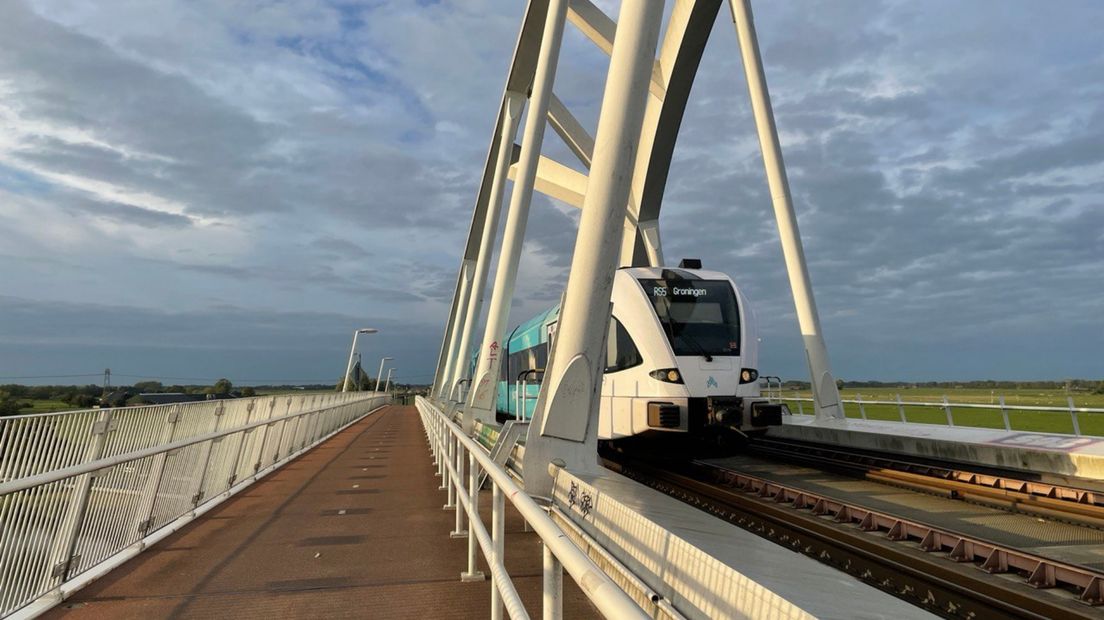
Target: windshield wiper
x,y
688,338
670,325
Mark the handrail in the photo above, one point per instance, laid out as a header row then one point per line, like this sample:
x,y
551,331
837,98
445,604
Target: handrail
x,y
940,405
949,407
87,490
446,440
521,391
21,484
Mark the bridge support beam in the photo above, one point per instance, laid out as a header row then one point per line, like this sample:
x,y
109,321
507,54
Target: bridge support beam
x,y
511,115
459,309
481,402
564,430
825,392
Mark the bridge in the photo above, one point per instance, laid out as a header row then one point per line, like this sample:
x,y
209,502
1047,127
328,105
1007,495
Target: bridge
x,y
348,504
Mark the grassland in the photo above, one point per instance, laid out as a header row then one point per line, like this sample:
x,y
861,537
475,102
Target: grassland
x,y
44,406
1019,419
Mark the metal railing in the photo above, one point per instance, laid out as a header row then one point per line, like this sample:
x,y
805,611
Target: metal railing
x,y
451,448
947,409
83,491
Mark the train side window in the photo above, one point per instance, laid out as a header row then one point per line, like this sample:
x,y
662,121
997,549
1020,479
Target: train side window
x,y
506,367
542,355
621,351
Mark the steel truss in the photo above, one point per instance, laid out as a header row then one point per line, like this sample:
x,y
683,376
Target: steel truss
x,y
627,159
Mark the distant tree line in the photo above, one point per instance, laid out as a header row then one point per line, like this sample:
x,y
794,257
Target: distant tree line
x,y
15,398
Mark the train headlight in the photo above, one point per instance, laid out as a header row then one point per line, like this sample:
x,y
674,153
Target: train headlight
x,y
667,375
748,375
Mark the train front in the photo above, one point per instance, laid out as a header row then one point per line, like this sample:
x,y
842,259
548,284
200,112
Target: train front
x,y
699,335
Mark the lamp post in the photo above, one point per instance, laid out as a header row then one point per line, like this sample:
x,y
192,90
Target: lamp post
x,y
379,375
388,386
352,351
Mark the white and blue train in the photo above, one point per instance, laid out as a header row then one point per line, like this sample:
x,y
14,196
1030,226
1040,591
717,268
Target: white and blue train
x,y
681,358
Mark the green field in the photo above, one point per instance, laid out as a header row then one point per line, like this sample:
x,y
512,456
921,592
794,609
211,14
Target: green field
x,y
44,406
1038,421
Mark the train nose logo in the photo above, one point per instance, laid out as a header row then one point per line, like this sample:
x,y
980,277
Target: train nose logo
x,y
711,383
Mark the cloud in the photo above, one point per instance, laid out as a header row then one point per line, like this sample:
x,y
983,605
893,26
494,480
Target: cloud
x,y
290,168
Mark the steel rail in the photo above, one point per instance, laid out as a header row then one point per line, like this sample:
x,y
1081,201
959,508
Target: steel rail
x,y
28,482
1003,490
843,535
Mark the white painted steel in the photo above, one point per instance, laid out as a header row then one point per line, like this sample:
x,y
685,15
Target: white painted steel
x,y
379,374
949,407
510,117
473,573
459,316
498,542
352,353
82,491
552,603
484,388
610,600
637,583
824,384
566,417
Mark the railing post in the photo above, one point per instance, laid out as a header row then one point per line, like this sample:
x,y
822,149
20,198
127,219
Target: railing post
x,y
280,435
241,444
438,441
64,560
1004,414
947,409
498,541
901,409
862,410
1073,416
552,607
446,456
457,489
157,469
800,408
264,437
472,573
197,497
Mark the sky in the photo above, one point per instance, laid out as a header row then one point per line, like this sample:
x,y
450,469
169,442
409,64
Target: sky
x,y
197,189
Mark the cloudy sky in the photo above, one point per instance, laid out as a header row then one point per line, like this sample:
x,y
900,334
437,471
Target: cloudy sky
x,y
198,189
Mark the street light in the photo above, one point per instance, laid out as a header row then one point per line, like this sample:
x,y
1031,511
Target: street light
x,y
352,351
379,375
388,386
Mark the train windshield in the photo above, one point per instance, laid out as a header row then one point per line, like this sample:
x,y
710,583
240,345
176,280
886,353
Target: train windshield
x,y
700,317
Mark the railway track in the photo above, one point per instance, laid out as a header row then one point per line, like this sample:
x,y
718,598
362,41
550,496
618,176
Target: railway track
x,y
950,572
1003,489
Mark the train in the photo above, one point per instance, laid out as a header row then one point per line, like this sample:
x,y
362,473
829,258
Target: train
x,y
681,359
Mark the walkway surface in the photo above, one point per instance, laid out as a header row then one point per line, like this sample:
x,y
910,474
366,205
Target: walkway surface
x,y
352,529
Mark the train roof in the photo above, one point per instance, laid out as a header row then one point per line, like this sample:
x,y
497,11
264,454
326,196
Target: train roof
x,y
667,272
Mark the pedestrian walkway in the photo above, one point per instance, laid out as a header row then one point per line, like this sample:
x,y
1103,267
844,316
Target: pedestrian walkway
x,y
352,529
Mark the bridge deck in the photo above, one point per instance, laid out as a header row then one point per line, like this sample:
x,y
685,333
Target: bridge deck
x,y
283,548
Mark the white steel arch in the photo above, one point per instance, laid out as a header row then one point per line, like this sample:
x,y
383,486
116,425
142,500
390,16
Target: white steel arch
x,y
629,156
